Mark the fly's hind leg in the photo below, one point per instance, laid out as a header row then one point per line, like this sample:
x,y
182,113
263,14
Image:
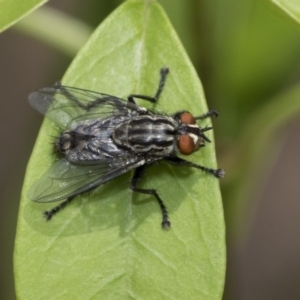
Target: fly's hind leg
x,y
163,75
48,214
134,182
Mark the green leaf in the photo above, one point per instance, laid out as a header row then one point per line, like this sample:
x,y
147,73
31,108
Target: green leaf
x,y
290,7
11,11
108,244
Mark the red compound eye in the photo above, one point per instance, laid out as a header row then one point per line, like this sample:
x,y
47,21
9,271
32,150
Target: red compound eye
x,y
186,144
187,118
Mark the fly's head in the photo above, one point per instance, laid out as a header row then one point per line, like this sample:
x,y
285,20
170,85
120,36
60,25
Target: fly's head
x,y
191,136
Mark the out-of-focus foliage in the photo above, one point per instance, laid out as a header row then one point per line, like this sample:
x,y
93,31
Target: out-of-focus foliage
x,y
253,58
66,25
290,7
11,11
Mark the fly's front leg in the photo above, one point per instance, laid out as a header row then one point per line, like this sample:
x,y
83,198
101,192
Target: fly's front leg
x,y
163,75
219,173
210,113
134,182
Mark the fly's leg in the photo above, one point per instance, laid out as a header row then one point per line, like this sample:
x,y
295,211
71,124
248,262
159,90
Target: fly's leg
x,y
219,173
163,75
70,96
210,113
87,107
49,213
134,182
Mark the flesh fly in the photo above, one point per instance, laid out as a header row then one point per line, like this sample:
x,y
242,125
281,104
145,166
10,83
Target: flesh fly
x,y
102,137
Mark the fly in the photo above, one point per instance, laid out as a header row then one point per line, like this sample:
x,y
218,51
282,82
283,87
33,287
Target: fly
x,y
103,137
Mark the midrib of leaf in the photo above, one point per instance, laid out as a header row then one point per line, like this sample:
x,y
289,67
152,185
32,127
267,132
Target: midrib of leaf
x,y
142,44
129,262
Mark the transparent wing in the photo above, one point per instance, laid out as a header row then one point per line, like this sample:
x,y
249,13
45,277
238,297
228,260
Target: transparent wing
x,y
63,104
64,180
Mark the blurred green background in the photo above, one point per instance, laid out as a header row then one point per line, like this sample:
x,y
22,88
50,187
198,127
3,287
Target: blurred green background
x,y
247,56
